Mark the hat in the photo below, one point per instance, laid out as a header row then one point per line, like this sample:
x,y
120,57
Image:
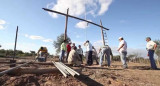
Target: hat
x,y
120,37
148,38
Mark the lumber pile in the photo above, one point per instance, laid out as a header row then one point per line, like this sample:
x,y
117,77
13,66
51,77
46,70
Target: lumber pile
x,y
65,70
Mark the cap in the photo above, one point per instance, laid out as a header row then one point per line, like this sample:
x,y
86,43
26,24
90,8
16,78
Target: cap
x,y
148,38
120,37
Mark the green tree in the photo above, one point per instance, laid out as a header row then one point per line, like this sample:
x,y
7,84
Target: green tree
x,y
157,51
59,41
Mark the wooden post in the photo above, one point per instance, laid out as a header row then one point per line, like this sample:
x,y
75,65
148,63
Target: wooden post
x,y
65,33
15,43
102,33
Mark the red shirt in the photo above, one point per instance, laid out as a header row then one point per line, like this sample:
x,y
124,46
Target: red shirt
x,y
68,48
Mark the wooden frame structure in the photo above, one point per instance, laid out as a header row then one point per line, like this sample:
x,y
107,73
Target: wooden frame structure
x,y
67,15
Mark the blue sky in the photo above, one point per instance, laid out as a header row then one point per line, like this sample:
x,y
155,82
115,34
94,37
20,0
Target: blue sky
x,y
132,19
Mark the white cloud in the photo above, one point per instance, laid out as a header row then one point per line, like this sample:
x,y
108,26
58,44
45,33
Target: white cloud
x,y
80,7
104,6
48,40
36,37
2,22
1,27
82,25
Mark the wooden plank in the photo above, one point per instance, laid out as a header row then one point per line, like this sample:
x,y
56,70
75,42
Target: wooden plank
x,y
75,18
26,70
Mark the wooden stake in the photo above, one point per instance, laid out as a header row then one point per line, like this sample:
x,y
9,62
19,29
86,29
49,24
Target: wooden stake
x,y
15,43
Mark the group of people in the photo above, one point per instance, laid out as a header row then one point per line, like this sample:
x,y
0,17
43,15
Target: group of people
x,y
150,46
75,55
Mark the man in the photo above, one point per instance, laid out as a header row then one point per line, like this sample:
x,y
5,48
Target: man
x,y
73,45
94,55
73,58
80,52
122,48
89,60
107,52
68,50
63,50
151,47
43,52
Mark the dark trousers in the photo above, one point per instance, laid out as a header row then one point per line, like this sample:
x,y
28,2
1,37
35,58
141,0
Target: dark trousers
x,y
67,57
89,60
152,61
80,55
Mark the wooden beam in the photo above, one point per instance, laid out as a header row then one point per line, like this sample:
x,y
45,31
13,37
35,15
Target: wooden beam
x,y
26,70
40,63
75,18
102,33
12,69
65,32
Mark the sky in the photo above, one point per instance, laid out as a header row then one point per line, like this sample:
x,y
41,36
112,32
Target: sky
x,y
134,20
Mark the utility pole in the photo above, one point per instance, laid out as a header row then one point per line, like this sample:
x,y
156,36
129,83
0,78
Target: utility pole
x,y
102,33
65,33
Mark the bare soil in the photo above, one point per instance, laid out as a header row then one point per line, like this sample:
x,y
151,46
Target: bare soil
x,y
136,75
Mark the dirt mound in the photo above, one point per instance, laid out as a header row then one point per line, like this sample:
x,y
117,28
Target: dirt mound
x,y
136,75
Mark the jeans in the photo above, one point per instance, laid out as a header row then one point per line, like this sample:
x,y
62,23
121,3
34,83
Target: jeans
x,y
62,55
89,59
123,55
151,57
106,52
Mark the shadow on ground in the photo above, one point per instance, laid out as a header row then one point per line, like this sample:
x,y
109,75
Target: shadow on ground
x,y
88,81
141,67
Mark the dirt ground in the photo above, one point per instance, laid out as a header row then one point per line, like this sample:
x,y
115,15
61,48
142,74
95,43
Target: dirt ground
x,y
136,75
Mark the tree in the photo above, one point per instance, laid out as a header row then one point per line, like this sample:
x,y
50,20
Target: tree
x,y
59,41
157,51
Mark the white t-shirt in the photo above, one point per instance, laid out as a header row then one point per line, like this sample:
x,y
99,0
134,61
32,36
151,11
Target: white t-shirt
x,y
150,45
89,46
80,51
124,48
